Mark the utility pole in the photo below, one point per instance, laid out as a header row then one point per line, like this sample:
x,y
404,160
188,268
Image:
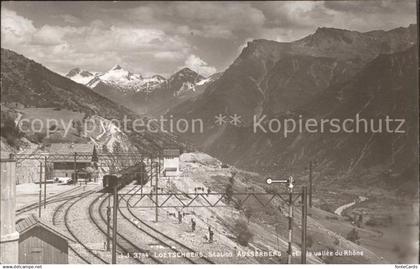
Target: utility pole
x,y
75,168
310,184
108,226
290,186
114,225
45,182
289,254
157,189
304,223
142,174
151,171
40,190
141,177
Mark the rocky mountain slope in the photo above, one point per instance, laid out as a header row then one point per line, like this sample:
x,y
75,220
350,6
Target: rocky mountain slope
x,y
28,85
267,71
332,73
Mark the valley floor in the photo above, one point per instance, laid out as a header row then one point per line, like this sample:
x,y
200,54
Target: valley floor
x,y
327,232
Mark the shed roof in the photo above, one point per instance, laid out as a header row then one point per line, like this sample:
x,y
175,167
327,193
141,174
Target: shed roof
x,y
171,153
66,148
5,155
26,224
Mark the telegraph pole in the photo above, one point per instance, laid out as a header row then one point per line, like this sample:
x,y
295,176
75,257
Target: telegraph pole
x,y
74,168
142,174
310,184
290,186
304,223
114,225
157,190
151,171
108,226
40,190
289,254
45,182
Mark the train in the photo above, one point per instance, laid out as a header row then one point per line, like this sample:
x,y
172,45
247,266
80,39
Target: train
x,y
137,173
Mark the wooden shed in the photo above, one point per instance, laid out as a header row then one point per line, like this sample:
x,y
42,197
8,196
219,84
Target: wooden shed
x,y
40,243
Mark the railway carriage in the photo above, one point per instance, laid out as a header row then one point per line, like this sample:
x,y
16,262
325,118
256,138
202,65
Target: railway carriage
x,y
135,173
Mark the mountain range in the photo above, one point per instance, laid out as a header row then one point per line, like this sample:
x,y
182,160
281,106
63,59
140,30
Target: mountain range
x,y
332,73
142,94
32,85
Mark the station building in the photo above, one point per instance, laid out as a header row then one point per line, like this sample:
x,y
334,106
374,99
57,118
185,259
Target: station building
x,y
65,165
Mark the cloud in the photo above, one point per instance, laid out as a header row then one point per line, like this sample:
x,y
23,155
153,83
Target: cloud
x,y
305,16
15,29
158,37
52,35
96,46
70,19
169,55
196,64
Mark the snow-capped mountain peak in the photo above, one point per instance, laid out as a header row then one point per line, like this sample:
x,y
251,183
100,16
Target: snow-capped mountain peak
x,y
80,76
125,81
118,81
116,67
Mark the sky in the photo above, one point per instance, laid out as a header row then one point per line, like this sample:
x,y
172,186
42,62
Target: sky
x,y
162,37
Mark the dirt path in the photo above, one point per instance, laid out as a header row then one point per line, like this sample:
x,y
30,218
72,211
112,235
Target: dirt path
x,y
339,210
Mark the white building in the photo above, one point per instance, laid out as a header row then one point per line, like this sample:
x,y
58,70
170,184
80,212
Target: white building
x,y
171,162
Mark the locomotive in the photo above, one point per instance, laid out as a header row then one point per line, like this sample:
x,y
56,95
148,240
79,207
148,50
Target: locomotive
x,y
136,173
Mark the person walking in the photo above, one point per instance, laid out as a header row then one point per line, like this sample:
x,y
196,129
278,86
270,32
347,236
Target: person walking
x,y
179,217
193,225
211,233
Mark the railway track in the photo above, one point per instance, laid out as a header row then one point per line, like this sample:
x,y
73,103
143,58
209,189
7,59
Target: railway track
x,y
50,200
65,208
123,243
162,238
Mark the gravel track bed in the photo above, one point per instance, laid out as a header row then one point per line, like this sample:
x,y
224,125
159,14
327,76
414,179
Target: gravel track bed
x,y
219,251
123,247
78,222
154,247
130,248
166,242
57,218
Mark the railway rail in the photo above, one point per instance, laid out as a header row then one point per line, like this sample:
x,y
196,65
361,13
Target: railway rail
x,y
162,238
125,244
50,200
65,208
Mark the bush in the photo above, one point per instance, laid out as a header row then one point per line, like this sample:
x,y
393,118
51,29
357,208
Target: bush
x,y
309,241
53,128
37,137
327,207
9,130
331,217
353,236
248,212
379,221
242,232
270,190
228,193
